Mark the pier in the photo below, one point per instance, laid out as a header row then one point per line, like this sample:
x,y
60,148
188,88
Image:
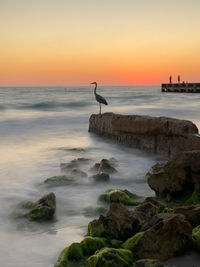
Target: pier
x,y
181,87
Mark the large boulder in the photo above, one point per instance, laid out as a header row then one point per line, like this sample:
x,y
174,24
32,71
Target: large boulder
x,y
160,135
43,209
108,257
119,196
178,177
191,213
165,239
119,223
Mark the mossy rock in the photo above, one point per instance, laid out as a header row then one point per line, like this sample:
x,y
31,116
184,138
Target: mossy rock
x,y
193,198
94,211
196,237
58,180
107,166
43,209
71,256
91,244
110,257
119,196
133,242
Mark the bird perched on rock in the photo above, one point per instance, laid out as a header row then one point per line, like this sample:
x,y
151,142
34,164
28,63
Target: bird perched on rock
x,y
99,98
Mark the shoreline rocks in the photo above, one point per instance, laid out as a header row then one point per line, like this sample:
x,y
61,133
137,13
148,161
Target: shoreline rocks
x,y
43,209
179,178
161,135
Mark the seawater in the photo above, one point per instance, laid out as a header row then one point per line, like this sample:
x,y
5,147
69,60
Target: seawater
x,y
39,129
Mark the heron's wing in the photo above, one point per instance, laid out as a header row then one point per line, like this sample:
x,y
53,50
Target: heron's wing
x,y
101,99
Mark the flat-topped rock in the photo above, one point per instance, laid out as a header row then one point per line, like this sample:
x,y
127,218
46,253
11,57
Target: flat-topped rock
x,y
160,135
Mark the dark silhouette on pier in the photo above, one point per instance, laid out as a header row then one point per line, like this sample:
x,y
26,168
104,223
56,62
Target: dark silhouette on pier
x,y
99,98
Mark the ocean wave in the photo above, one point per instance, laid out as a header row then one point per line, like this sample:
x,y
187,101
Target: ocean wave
x,y
51,105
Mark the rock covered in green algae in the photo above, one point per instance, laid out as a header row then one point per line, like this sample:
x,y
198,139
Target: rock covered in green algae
x,y
43,209
119,223
110,257
71,256
167,238
133,242
91,244
75,255
196,237
59,180
119,196
148,208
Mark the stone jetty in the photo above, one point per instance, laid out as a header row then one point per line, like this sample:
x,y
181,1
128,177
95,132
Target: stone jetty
x,y
181,87
161,135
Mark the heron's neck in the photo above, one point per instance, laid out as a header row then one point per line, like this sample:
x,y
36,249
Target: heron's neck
x,y
95,89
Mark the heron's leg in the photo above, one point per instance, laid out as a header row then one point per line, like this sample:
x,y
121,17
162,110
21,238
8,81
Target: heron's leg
x,y
100,108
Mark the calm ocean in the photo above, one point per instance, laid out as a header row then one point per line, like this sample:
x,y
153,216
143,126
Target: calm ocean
x,y
39,129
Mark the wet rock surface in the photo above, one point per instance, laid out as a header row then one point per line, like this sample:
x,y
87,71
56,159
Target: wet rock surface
x,y
160,135
178,177
119,223
43,209
120,196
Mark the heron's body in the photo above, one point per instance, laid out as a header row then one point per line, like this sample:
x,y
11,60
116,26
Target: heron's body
x,y
99,98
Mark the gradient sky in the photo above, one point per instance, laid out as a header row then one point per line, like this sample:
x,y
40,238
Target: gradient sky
x,y
114,42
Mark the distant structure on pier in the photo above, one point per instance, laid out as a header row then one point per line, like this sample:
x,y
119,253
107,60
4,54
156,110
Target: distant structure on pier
x,y
180,87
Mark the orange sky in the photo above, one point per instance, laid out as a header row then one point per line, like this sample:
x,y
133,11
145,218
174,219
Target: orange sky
x,y
129,42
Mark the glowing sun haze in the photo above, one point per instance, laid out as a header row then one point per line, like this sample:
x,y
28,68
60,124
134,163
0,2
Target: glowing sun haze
x,y
65,42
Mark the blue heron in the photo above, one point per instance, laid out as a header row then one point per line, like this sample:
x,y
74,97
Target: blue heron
x,y
99,98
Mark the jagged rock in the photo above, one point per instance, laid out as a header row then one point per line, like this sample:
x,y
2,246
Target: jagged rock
x,y
101,177
106,166
119,196
196,237
119,223
148,208
178,177
95,168
156,134
107,257
191,213
167,238
75,255
43,209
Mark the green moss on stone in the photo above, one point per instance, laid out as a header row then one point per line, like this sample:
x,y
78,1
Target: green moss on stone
x,y
71,256
90,244
190,199
133,242
108,257
96,230
196,237
119,196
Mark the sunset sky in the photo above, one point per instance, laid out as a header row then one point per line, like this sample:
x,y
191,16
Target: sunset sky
x,y
114,42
